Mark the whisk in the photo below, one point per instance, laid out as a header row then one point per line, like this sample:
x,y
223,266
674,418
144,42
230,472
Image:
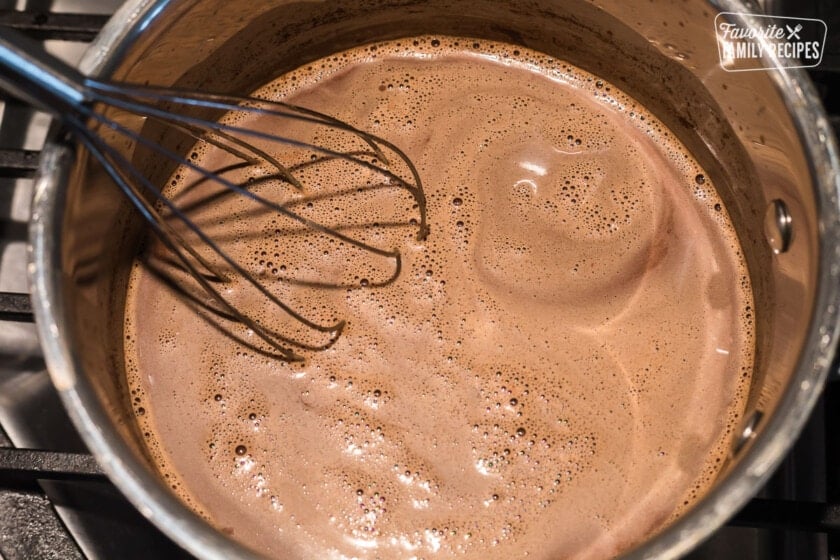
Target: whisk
x,y
85,107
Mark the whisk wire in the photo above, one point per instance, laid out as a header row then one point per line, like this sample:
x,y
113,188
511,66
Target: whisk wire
x,y
240,104
163,230
281,208
228,103
113,162
83,105
205,238
202,136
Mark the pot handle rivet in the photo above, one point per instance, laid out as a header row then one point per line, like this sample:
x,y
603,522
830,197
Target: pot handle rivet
x,y
778,226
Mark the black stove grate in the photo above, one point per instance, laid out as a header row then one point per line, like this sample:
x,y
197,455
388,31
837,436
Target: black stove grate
x,y
796,516
54,26
15,307
55,502
29,465
20,163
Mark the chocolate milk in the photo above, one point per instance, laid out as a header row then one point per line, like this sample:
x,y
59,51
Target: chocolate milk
x,y
555,372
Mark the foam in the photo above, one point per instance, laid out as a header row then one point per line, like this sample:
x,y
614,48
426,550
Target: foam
x,y
556,371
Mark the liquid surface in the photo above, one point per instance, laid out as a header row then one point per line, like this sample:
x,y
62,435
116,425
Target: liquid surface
x,y
555,371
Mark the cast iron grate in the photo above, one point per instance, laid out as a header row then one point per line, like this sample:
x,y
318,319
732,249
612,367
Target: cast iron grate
x,y
55,502
26,466
54,26
19,163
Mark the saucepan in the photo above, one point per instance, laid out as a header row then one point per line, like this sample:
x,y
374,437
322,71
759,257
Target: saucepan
x,y
762,135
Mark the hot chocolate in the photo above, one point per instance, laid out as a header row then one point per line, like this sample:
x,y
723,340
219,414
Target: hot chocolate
x,y
555,371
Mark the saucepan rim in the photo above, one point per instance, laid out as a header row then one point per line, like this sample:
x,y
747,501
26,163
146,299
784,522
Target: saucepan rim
x,y
197,536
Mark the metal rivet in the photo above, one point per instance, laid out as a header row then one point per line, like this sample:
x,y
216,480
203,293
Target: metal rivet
x,y
778,226
747,432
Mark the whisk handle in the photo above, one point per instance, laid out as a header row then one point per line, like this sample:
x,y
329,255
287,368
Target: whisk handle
x,y
28,72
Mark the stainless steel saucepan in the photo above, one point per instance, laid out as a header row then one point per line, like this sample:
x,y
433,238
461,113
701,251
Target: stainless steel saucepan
x,y
762,135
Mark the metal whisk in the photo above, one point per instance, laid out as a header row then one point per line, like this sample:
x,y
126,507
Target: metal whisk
x,y
86,107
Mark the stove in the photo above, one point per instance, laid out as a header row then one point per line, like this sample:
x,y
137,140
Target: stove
x,y
56,503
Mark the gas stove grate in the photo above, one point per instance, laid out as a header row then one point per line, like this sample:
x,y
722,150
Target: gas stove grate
x,y
19,163
15,307
55,501
54,26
